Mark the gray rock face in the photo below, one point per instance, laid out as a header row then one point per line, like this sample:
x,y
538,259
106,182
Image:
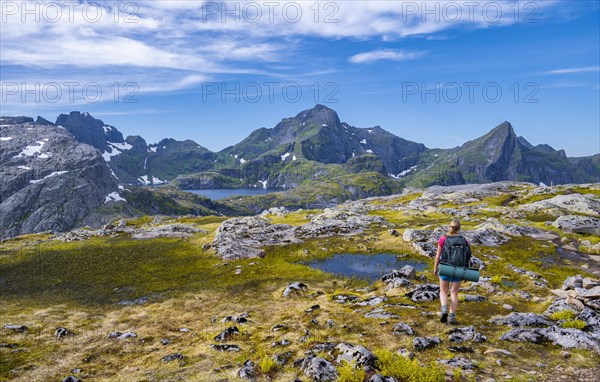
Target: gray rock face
x,y
61,332
169,230
173,357
245,237
574,203
357,354
462,362
122,336
50,182
319,369
517,230
521,319
242,238
573,282
566,338
406,272
225,347
16,328
422,343
403,328
560,304
578,224
467,333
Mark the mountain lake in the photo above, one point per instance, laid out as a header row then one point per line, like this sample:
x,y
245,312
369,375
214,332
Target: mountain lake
x,y
222,193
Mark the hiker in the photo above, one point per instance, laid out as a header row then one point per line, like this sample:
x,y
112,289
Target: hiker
x,y
455,240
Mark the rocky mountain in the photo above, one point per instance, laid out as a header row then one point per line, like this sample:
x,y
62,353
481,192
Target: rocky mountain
x,y
55,177
50,181
501,155
79,170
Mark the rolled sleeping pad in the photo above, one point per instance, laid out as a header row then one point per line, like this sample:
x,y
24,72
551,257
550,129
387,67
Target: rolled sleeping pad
x,y
467,274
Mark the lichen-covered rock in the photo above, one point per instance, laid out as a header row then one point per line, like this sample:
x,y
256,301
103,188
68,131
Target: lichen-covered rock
x,y
467,333
354,354
566,338
406,272
559,204
170,230
225,347
319,369
173,357
521,319
372,301
122,336
573,282
422,343
381,313
425,292
402,328
561,304
462,362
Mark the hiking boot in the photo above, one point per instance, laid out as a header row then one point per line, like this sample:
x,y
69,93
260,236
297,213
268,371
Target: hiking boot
x,y
444,317
452,318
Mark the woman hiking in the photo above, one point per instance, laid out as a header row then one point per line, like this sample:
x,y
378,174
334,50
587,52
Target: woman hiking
x,y
448,282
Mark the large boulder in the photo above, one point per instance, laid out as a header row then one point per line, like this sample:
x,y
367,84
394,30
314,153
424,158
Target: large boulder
x,y
521,319
578,224
566,338
355,354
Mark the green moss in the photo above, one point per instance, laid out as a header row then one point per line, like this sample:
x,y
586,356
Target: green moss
x,y
574,324
349,373
404,369
566,314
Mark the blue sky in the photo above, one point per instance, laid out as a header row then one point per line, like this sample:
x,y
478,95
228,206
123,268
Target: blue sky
x,y
429,75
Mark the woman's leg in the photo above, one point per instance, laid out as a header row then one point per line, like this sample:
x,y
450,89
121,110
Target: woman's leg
x,y
444,292
454,287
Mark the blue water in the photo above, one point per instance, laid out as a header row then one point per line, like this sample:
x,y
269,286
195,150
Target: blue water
x,y
221,193
366,267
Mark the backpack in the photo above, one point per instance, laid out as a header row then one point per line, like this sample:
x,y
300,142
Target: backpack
x,y
456,251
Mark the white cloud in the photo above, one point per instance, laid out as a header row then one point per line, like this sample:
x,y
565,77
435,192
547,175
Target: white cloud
x,y
588,69
385,55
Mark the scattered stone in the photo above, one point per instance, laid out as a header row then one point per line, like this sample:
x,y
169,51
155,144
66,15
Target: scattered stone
x,y
565,354
394,233
71,378
165,341
319,369
280,343
313,308
16,328
224,347
473,298
241,319
122,336
184,330
294,288
402,328
279,327
461,362
283,358
173,357
61,332
589,316
344,298
466,333
422,343
8,345
521,319
381,313
406,272
399,283
248,371
227,334
330,323
406,353
372,301
508,307
354,354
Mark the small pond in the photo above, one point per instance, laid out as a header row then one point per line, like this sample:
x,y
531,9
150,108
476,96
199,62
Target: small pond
x,y
366,267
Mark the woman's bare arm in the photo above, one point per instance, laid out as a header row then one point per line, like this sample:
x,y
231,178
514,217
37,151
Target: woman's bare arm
x,y
437,260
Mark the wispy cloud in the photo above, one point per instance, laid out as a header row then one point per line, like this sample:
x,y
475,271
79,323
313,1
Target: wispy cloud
x,y
385,55
588,69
